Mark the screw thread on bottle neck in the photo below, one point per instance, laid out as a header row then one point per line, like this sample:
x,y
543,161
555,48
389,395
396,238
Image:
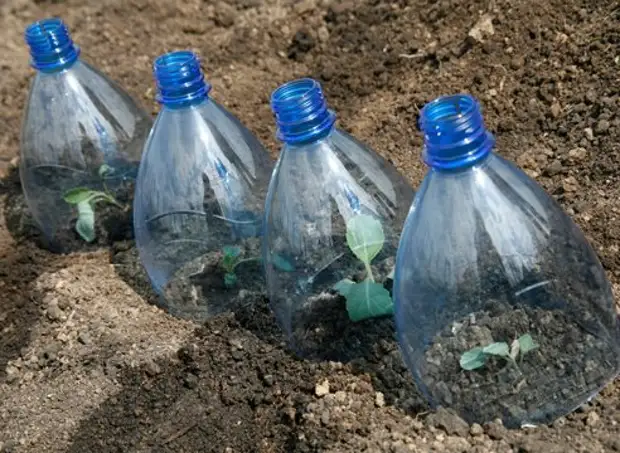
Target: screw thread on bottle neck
x,y
179,79
455,136
51,47
301,112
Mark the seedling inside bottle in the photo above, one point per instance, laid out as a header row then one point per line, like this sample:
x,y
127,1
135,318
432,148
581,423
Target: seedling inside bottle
x,y
85,199
476,357
368,298
231,258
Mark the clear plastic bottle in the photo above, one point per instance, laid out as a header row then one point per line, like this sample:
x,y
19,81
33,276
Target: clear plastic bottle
x,y
333,215
82,139
502,307
200,195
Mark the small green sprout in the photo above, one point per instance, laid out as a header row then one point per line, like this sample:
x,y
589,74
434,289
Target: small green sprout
x,y
85,199
231,257
366,299
476,358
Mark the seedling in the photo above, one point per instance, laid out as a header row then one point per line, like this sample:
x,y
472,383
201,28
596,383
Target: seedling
x,y
476,358
368,298
85,199
231,258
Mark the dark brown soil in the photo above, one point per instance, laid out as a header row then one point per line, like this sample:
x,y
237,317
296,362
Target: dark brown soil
x,y
568,365
88,365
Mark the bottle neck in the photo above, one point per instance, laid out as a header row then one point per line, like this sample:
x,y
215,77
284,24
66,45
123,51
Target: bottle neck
x,y
301,112
51,46
455,136
180,80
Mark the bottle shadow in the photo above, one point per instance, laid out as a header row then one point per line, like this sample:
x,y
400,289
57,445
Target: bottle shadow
x,y
225,390
21,263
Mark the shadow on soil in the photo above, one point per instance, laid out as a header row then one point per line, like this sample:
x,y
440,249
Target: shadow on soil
x,y
227,390
21,264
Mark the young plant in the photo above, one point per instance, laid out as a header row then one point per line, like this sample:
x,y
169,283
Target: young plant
x,y
231,257
368,298
476,358
85,199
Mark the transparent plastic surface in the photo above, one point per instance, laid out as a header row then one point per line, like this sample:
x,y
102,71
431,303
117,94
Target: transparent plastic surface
x,y
333,217
80,130
502,307
198,212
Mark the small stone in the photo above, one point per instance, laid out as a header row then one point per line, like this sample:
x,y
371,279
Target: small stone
x,y
268,380
593,419
84,338
12,374
449,422
555,168
379,399
323,34
304,6
191,381
495,430
483,28
591,96
589,133
476,430
456,444
556,110
237,355
54,313
321,389
151,368
517,63
570,184
325,417
225,15
578,154
602,127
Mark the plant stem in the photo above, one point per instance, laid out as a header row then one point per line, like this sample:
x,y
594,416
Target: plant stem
x,y
369,271
245,261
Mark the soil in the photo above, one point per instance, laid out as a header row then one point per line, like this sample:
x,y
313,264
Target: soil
x,y
112,223
567,366
88,362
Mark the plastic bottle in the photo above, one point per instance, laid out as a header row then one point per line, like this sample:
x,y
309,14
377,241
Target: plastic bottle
x,y
502,307
333,215
199,197
82,138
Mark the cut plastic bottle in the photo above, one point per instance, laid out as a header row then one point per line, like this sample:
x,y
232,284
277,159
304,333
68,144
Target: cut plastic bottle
x,y
82,139
200,196
503,309
333,215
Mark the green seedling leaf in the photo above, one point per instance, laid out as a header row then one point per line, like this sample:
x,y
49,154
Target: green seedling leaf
x,y
526,344
105,170
473,359
344,286
282,263
365,237
85,225
368,300
232,251
498,349
81,194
